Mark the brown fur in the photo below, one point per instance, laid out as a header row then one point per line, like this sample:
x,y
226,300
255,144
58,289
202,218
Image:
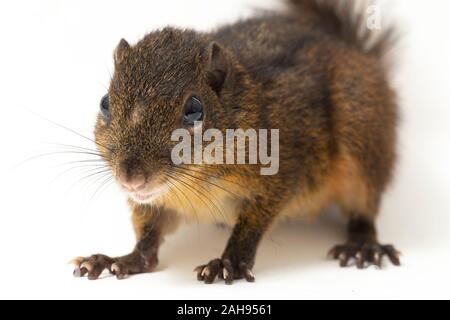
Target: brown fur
x,y
309,73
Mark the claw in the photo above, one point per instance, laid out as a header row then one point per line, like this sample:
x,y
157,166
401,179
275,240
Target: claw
x,y
332,254
95,265
206,272
227,276
199,275
343,259
118,271
365,253
79,272
198,269
359,260
393,255
76,261
115,268
249,276
87,265
225,270
225,273
377,259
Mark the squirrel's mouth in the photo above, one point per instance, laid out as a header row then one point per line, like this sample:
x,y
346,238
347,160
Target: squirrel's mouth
x,y
142,196
148,196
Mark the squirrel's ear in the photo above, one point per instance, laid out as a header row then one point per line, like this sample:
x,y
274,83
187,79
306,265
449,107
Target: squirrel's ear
x,y
218,67
119,53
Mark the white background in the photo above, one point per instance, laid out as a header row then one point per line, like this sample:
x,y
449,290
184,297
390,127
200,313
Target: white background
x,y
55,60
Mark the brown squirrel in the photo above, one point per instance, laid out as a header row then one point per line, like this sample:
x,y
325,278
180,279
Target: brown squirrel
x,y
316,73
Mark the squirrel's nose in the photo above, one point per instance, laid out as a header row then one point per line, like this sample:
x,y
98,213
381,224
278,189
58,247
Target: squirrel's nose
x,y
136,183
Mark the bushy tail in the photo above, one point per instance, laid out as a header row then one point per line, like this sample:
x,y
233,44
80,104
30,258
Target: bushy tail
x,y
348,19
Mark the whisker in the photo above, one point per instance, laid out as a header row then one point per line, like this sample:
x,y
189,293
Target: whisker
x,y
171,181
94,174
91,182
199,195
175,193
207,174
211,183
107,185
211,194
71,130
159,213
72,146
170,186
96,168
78,166
52,154
102,185
96,179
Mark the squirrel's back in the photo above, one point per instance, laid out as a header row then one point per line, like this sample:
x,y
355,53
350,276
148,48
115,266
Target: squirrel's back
x,y
269,43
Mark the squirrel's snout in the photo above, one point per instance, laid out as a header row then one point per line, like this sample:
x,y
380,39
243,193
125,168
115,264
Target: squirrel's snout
x,y
133,184
130,175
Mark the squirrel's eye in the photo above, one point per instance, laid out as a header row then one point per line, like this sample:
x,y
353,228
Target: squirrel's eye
x,y
193,111
104,107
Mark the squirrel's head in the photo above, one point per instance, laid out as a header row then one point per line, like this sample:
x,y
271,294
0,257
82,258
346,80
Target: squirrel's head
x,y
168,80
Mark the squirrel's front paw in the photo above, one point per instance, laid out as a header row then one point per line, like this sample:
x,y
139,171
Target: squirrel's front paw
x,y
224,269
122,267
92,266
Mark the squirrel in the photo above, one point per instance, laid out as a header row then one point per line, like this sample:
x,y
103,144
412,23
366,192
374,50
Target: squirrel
x,y
315,72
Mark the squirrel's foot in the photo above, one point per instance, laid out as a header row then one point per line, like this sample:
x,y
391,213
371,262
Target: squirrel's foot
x,y
92,266
122,267
365,254
224,269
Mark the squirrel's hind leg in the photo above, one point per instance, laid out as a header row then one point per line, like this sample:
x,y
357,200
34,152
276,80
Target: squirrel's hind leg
x,y
359,199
